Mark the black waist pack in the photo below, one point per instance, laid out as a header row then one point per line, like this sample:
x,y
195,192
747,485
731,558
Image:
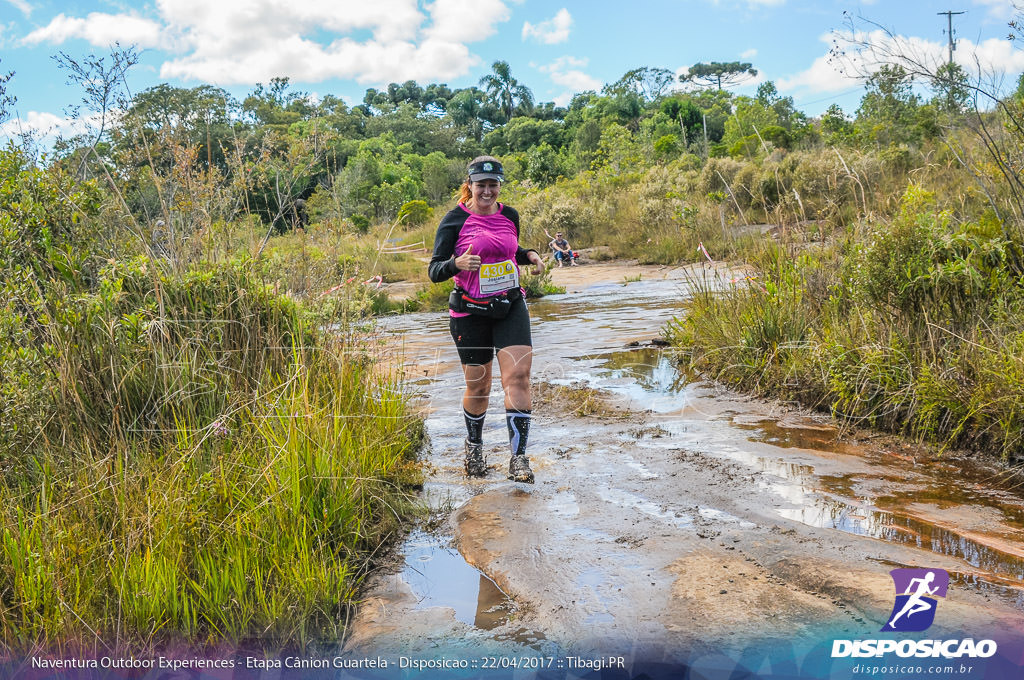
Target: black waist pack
x,y
492,306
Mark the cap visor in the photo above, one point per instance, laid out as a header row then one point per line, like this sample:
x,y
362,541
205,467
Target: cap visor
x,y
485,175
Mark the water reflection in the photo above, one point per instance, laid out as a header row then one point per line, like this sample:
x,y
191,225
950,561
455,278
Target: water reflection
x,y
896,528
440,577
656,371
815,438
935,484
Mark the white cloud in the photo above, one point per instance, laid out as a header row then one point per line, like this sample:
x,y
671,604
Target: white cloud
x,y
552,31
21,5
465,20
866,52
45,125
101,30
822,76
998,9
243,22
370,62
226,42
748,54
995,56
565,71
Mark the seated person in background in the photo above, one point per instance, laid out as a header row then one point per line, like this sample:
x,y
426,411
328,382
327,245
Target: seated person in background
x,y
561,248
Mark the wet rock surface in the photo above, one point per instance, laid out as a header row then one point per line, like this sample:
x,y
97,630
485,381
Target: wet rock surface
x,y
670,516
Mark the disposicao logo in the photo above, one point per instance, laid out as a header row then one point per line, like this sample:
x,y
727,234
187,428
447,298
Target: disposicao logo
x,y
916,593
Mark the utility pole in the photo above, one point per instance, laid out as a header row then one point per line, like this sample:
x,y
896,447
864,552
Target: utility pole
x,y
952,43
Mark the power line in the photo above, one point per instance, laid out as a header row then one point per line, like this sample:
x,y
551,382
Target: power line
x,y
830,97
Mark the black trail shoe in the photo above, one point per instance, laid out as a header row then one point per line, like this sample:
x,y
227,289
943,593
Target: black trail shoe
x,y
476,464
519,470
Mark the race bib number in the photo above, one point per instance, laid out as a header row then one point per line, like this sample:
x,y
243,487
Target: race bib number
x,y
498,276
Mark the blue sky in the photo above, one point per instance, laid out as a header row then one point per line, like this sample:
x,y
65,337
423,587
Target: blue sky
x,y
557,48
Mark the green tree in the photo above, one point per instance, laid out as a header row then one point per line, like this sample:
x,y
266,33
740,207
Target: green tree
x,y
522,133
750,117
838,128
164,106
718,73
408,92
374,101
646,82
543,164
274,105
169,138
506,92
888,109
435,99
625,108
470,109
666,146
716,107
440,176
414,213
199,116
686,115
548,111
618,151
786,113
423,133
952,89
586,142
377,180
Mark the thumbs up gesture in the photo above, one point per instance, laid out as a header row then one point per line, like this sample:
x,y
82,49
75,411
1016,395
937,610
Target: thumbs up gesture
x,y
467,261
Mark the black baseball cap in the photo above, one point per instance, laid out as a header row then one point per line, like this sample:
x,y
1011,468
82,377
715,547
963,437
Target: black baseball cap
x,y
486,170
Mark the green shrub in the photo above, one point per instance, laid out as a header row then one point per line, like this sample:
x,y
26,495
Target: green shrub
x,y
666,146
539,285
432,297
360,222
415,213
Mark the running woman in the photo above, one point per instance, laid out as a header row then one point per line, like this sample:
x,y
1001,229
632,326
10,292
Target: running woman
x,y
477,242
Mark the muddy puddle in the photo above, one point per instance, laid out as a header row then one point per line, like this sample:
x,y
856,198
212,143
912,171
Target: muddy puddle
x,y
440,577
673,468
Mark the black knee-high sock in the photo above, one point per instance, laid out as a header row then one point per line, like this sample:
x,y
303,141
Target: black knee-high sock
x,y
518,429
474,426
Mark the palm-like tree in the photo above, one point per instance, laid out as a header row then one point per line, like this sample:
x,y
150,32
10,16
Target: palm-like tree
x,y
466,109
505,91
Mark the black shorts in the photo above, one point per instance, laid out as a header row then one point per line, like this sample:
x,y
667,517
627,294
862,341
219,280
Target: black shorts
x,y
477,338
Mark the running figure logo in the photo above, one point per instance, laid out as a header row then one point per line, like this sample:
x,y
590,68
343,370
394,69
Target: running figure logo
x,y
916,590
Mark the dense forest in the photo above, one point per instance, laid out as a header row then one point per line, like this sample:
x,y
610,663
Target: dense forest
x,y
360,165
183,278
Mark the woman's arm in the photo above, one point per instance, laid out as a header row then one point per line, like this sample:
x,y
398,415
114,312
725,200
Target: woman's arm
x,y
537,260
442,264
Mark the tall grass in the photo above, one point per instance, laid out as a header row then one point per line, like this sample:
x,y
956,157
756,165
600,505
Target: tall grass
x,y
203,491
912,324
188,457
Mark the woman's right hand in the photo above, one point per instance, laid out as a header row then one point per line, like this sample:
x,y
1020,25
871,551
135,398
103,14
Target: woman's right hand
x,y
467,262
